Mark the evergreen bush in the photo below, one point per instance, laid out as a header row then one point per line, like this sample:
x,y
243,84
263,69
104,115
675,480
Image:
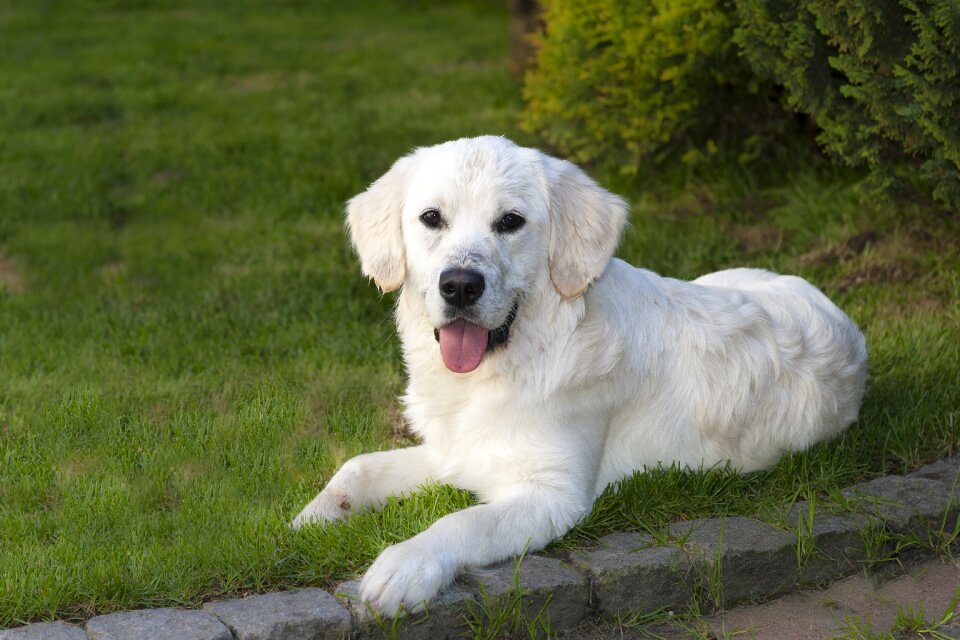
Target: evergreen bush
x,y
638,82
881,79
635,82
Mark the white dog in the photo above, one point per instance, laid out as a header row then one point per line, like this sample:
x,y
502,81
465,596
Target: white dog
x,y
541,369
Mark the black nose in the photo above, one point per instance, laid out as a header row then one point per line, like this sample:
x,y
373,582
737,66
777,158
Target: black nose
x,y
461,287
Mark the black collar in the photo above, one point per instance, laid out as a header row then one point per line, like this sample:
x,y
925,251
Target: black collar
x,y
501,334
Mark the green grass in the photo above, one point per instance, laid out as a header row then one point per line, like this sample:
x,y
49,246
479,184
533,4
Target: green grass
x,y
187,347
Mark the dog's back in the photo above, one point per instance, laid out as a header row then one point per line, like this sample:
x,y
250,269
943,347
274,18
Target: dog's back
x,y
751,365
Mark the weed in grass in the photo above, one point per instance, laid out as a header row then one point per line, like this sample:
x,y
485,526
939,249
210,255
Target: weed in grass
x,y
943,539
879,545
505,615
909,620
855,628
664,624
714,571
806,542
939,539
705,576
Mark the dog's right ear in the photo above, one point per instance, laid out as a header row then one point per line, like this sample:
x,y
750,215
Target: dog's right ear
x,y
373,218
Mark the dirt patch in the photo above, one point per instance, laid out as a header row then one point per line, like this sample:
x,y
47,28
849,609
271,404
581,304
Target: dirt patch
x,y
461,66
756,205
870,257
113,272
921,306
190,471
166,176
847,250
402,435
10,279
695,202
857,600
79,465
757,238
259,83
160,411
916,240
266,82
886,273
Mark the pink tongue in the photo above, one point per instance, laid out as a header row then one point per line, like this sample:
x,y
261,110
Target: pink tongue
x,y
462,346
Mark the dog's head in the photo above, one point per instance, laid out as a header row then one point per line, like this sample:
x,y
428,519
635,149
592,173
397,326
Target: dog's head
x,y
472,225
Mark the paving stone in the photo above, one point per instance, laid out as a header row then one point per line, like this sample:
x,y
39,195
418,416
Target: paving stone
x,y
44,631
157,624
951,630
443,618
755,560
629,572
946,472
858,599
839,545
547,585
303,614
905,504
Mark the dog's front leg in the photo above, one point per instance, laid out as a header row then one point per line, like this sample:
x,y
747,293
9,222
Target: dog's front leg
x,y
412,572
366,480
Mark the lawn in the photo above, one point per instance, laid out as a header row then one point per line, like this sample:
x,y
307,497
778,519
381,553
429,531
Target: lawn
x,y
187,347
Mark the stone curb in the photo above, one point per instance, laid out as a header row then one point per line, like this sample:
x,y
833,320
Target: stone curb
x,y
714,562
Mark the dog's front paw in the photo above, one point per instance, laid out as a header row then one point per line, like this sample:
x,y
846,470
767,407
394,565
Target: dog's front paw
x,y
328,506
404,575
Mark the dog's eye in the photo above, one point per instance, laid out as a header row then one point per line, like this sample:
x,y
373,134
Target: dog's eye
x,y
511,221
431,218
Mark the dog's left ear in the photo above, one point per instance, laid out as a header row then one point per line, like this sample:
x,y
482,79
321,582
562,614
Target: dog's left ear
x,y
586,221
373,218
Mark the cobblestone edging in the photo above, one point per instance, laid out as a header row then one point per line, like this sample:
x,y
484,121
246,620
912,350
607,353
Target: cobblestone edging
x,y
715,562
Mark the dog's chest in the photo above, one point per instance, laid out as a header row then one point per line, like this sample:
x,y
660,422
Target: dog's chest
x,y
479,439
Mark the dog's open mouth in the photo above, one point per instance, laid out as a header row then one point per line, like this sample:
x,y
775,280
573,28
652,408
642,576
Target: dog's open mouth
x,y
463,344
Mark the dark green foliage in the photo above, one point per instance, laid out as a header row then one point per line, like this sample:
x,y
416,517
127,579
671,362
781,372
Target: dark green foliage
x,y
643,81
880,78
648,80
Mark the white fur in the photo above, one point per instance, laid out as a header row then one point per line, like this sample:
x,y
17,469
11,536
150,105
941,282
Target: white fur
x,y
738,366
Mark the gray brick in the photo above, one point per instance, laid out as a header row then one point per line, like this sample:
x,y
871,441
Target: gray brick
x,y
157,624
951,630
946,472
44,631
303,614
443,618
629,572
547,585
904,504
756,561
839,548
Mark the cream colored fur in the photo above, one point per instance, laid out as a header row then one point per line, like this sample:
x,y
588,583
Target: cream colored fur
x,y
609,369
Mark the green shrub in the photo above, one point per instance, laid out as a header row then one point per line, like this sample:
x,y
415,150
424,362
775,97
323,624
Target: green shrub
x,y
639,81
881,79
643,81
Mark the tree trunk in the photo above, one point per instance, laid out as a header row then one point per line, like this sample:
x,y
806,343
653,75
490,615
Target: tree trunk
x,y
524,22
